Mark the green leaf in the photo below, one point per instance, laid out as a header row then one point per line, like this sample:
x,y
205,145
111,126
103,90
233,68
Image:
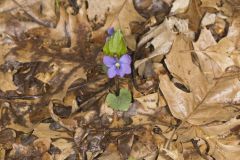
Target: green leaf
x,y
121,102
115,45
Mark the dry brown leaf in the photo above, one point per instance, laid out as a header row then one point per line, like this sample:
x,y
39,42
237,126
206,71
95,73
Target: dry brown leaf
x,y
161,38
47,156
65,147
43,131
151,101
2,153
111,152
6,5
78,73
121,18
227,149
161,35
19,127
179,6
173,153
97,13
221,129
214,57
143,150
210,3
181,107
105,109
193,14
205,40
54,63
179,62
216,101
204,99
208,19
6,81
42,144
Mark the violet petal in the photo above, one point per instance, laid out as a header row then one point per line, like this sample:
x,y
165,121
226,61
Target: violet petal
x,y
124,69
112,71
126,59
109,61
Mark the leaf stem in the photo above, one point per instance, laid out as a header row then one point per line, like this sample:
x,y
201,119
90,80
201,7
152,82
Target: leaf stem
x,y
117,85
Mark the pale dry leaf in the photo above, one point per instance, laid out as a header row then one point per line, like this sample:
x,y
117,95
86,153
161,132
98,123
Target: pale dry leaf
x,y
168,132
65,147
210,3
174,154
179,6
224,149
122,18
193,14
47,156
161,38
42,144
48,10
165,29
57,32
221,129
43,131
19,127
208,19
7,6
78,28
181,26
149,101
97,13
141,150
180,108
204,99
180,64
205,40
214,57
234,32
127,15
77,74
111,152
217,101
6,81
2,153
68,123
105,109
4,49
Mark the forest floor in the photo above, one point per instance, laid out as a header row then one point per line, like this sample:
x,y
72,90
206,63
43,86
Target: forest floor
x,y
183,80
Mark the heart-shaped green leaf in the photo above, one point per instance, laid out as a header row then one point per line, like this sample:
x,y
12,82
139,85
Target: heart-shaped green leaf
x,y
121,102
115,45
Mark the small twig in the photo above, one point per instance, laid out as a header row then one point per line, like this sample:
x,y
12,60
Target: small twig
x,y
170,139
124,129
25,97
31,16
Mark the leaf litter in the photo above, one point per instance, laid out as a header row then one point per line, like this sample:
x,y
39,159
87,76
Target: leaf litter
x,y
185,80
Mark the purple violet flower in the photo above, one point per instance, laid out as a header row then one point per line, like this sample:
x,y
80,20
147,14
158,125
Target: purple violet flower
x,y
110,31
118,66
